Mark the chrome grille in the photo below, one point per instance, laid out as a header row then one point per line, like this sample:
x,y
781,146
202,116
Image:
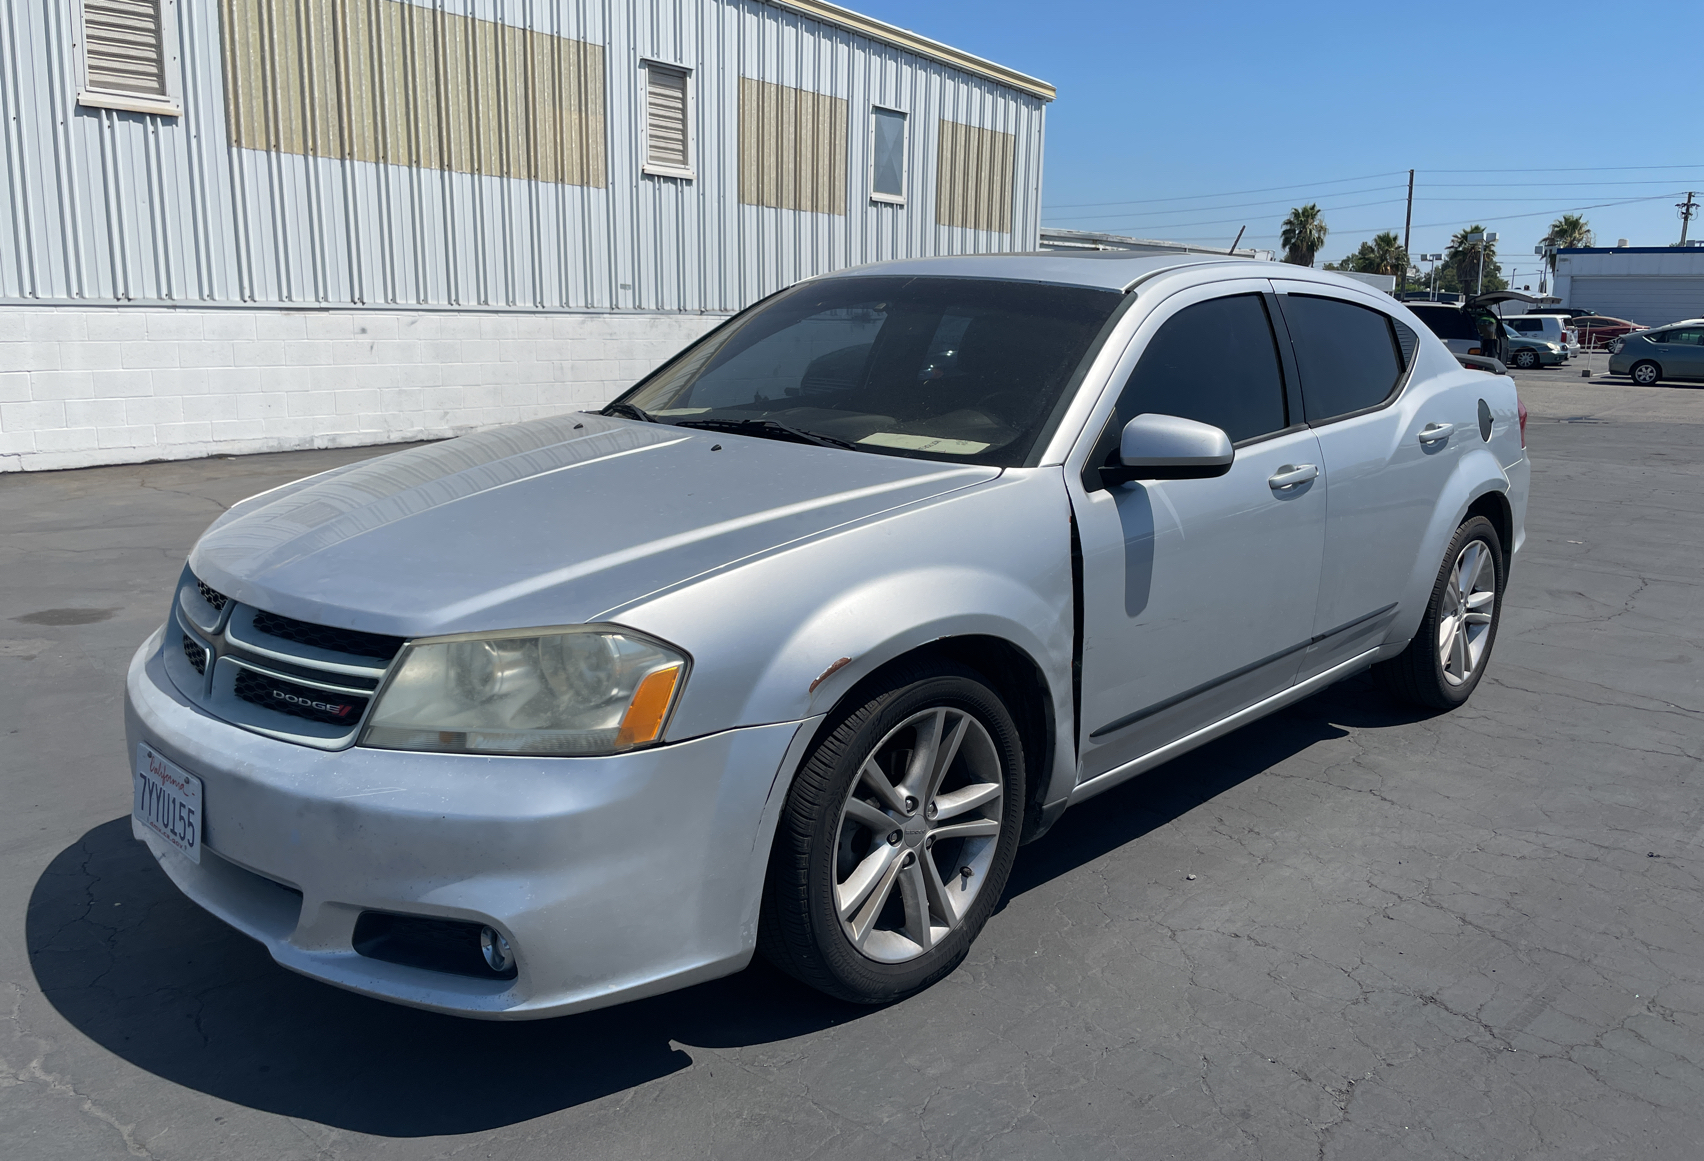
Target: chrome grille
x,y
272,674
211,595
196,653
325,637
301,701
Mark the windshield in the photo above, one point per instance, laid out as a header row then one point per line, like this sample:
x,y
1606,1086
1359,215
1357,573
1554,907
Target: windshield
x,y
960,369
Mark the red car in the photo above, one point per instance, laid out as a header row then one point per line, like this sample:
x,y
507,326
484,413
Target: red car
x,y
1596,330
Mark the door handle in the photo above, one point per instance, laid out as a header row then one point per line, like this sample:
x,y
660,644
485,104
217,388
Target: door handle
x,y
1434,432
1290,475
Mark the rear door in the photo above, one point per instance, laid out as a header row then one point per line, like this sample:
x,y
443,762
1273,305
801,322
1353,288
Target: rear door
x,y
1198,595
1683,353
1354,362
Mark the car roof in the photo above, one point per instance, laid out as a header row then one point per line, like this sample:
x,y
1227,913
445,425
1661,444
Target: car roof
x,y
1097,269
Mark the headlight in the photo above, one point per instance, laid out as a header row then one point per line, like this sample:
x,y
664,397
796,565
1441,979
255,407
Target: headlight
x,y
584,690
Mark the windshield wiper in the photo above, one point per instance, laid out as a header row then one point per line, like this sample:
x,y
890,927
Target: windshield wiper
x,y
628,411
767,429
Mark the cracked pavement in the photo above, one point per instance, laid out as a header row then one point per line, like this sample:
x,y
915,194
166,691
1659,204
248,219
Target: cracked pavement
x,y
1473,935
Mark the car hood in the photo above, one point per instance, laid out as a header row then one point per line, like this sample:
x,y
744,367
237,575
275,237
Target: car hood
x,y
556,521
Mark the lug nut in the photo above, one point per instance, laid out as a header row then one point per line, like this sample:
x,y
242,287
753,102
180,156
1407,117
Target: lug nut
x,y
893,839
910,805
909,859
933,810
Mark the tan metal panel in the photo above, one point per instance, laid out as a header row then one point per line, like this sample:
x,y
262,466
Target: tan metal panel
x,y
792,148
973,179
403,84
124,47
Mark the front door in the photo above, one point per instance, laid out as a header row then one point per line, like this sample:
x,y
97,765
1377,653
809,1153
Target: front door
x,y
1198,595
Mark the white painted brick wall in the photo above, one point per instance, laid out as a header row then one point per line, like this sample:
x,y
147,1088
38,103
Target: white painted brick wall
x,y
123,384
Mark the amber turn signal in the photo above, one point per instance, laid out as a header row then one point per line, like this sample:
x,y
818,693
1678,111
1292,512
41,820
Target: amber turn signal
x,y
649,708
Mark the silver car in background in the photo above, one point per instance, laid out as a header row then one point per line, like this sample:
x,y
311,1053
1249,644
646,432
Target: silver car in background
x,y
793,645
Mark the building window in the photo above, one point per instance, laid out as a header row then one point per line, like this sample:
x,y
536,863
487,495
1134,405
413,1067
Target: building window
x,y
668,120
792,148
127,54
887,155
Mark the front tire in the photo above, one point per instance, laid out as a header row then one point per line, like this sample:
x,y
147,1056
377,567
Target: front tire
x,y
896,839
1646,373
1444,662
1526,360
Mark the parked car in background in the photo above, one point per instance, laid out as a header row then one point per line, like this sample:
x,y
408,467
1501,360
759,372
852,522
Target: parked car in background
x,y
1548,327
1466,330
1529,351
1597,330
1672,352
788,649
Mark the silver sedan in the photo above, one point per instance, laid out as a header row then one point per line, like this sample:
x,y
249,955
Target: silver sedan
x,y
791,647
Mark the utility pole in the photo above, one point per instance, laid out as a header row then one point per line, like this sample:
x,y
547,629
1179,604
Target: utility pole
x,y
1687,208
1407,221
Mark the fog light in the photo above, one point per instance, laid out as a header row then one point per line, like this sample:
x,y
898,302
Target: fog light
x,y
498,955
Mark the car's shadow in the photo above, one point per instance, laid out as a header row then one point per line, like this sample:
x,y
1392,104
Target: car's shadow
x,y
137,968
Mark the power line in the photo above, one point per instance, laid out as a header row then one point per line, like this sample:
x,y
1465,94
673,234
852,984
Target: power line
x,y
1223,221
1567,169
1229,206
1227,194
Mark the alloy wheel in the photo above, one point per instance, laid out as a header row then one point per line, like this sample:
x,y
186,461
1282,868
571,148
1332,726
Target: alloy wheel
x,y
917,834
1464,621
1645,374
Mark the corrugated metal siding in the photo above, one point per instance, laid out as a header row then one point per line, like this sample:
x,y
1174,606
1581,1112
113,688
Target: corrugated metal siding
x,y
110,205
792,148
973,177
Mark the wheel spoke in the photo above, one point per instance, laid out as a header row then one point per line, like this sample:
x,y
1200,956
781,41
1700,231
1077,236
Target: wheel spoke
x,y
1475,567
1460,651
874,874
940,899
1482,600
915,895
1478,619
965,798
873,777
970,828
922,765
1447,630
862,813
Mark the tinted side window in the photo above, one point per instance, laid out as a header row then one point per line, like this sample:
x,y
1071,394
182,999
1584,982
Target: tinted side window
x,y
1447,322
1216,362
1347,355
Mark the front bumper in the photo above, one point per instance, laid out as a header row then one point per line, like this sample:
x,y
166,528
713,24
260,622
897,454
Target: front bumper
x,y
612,878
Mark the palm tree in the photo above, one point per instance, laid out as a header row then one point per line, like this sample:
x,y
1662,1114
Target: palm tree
x,y
1385,255
1566,231
1303,235
1464,258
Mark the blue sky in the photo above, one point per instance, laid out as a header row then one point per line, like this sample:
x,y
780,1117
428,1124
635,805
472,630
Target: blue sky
x,y
1338,101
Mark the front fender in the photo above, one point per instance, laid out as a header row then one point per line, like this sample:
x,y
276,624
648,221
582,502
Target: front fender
x,y
993,560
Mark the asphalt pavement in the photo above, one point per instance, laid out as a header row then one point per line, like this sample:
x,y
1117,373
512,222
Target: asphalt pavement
x,y
1351,930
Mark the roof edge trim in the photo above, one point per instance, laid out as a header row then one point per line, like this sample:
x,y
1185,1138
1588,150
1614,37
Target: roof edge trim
x,y
921,45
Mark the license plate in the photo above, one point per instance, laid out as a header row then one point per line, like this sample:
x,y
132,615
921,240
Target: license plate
x,y
168,801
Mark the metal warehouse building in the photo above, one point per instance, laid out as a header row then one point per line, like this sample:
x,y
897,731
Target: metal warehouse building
x,y
251,225
1652,285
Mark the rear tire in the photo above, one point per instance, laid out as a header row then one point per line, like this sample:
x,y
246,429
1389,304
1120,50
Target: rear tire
x,y
1442,665
896,839
1646,373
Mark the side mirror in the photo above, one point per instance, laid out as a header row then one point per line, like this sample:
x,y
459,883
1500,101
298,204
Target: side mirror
x,y
1169,447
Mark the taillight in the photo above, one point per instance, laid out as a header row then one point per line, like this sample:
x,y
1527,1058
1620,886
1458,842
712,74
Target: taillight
x,y
1520,410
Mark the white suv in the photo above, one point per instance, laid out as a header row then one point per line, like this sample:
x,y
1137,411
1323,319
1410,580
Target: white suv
x,y
1549,327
